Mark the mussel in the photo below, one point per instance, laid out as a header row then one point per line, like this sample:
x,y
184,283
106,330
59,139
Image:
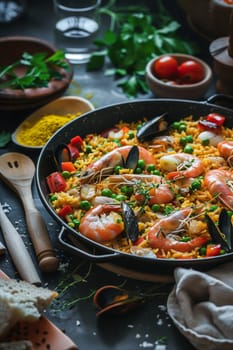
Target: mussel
x,y
114,300
153,127
222,233
130,222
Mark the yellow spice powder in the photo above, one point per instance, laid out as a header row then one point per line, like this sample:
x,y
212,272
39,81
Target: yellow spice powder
x,y
38,133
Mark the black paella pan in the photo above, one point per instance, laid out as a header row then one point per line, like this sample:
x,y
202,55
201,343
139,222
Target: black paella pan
x,y
95,122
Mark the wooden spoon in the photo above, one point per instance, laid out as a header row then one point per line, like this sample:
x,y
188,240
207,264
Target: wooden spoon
x,y
19,253
17,170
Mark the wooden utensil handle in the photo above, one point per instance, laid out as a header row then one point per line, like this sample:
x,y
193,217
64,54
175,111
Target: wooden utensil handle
x,y
40,240
19,253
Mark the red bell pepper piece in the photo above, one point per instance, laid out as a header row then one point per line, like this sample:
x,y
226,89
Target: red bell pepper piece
x,y
66,210
213,250
56,182
74,152
216,118
68,166
77,141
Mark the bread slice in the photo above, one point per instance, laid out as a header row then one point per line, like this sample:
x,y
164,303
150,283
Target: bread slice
x,y
17,345
21,301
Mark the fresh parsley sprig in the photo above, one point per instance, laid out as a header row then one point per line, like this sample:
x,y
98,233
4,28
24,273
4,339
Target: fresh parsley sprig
x,y
137,37
39,70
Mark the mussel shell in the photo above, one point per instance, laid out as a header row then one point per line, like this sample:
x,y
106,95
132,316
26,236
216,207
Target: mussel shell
x,y
130,222
131,161
215,234
225,226
115,301
151,128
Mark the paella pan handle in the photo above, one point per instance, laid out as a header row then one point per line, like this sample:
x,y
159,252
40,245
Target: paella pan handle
x,y
222,100
73,247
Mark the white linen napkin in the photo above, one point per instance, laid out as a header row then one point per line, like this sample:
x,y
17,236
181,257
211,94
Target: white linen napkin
x,y
201,306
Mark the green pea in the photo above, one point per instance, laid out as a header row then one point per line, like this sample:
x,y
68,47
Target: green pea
x,y
202,251
131,135
183,141
85,205
176,125
66,174
182,127
88,149
155,208
138,170
141,164
117,169
156,172
120,197
188,149
71,224
189,138
53,198
76,222
106,192
127,190
150,168
213,208
196,185
230,213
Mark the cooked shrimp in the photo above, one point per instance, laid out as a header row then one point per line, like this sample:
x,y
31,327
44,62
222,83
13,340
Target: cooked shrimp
x,y
220,184
164,234
181,165
109,160
102,223
225,149
153,186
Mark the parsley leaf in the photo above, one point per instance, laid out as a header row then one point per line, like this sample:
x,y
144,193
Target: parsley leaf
x,y
39,70
134,38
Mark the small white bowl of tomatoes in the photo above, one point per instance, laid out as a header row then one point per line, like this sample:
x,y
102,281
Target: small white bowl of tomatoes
x,y
178,76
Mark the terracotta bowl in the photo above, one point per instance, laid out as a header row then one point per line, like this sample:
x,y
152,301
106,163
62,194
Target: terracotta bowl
x,y
161,88
11,49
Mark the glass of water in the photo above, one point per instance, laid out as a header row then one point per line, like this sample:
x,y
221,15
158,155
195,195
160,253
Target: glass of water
x,y
76,28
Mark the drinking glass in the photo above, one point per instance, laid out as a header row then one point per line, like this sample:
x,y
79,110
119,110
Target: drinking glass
x,y
76,27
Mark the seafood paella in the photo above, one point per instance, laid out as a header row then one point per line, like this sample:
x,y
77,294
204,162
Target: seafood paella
x,y
150,188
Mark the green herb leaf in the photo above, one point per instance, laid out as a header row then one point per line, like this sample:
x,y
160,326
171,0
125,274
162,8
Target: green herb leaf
x,y
39,70
5,138
134,38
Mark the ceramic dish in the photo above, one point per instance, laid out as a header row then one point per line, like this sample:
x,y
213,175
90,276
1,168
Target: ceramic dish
x,y
11,49
60,107
43,334
192,91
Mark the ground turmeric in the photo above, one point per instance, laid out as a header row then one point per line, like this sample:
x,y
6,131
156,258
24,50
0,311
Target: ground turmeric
x,y
38,133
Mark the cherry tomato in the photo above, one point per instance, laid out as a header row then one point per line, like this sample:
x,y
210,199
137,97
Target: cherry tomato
x,y
190,72
166,67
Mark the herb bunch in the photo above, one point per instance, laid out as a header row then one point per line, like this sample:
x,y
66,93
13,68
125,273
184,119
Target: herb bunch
x,y
39,70
136,36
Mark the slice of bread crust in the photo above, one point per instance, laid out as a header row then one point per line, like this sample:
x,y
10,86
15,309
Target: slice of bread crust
x,y
21,301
